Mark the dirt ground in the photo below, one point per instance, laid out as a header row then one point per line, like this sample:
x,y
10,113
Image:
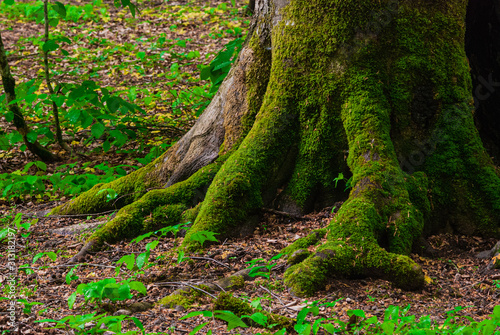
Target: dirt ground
x,y
456,278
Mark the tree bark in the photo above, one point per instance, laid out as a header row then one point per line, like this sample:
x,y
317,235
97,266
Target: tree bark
x,y
379,91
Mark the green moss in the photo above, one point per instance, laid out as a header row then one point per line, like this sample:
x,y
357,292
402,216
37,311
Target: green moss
x,y
164,216
303,243
237,282
191,214
186,297
226,302
298,256
160,207
177,300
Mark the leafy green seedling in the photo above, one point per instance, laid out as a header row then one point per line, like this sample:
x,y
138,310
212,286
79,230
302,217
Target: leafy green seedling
x,y
70,275
27,306
98,323
259,267
50,254
204,235
106,289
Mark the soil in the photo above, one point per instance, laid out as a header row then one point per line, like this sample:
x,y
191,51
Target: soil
x,y
457,280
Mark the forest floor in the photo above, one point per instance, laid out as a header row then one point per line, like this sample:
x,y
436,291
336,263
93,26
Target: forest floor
x,y
457,280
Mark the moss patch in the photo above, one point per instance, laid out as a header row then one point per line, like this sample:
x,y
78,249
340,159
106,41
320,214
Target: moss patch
x,y
226,302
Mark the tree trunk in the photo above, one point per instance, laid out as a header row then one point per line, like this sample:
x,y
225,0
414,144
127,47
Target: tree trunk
x,y
376,90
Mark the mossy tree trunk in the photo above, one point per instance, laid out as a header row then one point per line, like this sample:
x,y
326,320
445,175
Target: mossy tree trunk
x,y
376,90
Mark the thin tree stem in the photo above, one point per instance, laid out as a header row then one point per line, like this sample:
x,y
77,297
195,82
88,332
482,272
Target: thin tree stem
x,y
9,85
49,84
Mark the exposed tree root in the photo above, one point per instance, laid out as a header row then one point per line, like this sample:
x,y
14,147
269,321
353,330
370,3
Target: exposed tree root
x,y
278,136
156,209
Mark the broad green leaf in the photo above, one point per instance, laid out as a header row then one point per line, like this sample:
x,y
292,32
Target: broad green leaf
x,y
37,257
151,245
31,180
203,236
205,72
141,259
106,146
69,275
330,328
303,329
222,65
50,45
113,104
197,328
86,119
60,9
41,165
142,237
53,22
138,323
141,55
207,314
15,137
98,129
9,116
71,300
52,255
258,317
32,136
138,286
73,116
232,320
358,312
129,261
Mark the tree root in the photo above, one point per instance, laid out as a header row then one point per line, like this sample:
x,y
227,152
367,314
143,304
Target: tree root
x,y
156,209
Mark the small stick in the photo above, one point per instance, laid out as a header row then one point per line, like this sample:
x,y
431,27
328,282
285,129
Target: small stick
x,y
185,284
210,259
290,215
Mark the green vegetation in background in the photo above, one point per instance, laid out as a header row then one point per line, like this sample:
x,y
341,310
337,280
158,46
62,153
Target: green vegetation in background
x,y
128,119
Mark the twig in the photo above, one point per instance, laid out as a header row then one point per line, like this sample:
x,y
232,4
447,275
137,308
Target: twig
x,y
210,259
221,288
71,215
185,284
290,215
67,266
271,293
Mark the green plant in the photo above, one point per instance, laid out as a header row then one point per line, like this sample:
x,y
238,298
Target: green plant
x,y
221,64
17,222
204,235
98,324
347,182
232,320
50,254
70,275
20,183
258,265
27,306
106,289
